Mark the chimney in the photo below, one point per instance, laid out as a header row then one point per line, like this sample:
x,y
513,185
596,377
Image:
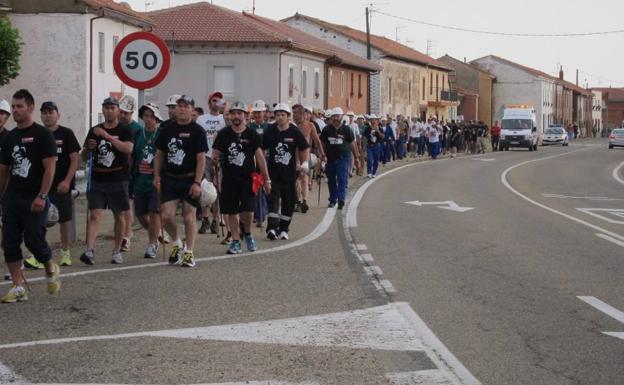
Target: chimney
x,y
561,73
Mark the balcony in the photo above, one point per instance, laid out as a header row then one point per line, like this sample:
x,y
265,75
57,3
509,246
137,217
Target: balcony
x,y
442,97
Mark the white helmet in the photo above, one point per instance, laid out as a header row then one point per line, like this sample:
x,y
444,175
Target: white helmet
x,y
350,113
345,119
5,106
258,106
373,117
282,107
336,111
53,216
239,106
173,100
308,108
127,103
208,194
327,113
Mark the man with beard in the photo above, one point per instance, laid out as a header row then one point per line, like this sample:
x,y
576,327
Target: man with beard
x,y
238,149
288,151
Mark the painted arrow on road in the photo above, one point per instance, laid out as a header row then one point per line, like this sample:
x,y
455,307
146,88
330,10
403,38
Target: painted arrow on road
x,y
446,205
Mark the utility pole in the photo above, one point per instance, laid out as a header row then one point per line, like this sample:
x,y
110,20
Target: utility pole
x,y
396,32
253,8
368,45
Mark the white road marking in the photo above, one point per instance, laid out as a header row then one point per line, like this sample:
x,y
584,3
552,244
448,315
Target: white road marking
x,y
367,257
270,382
387,286
616,173
448,205
421,377
7,376
506,183
376,270
619,335
610,239
604,307
434,348
320,229
485,159
604,199
361,247
594,212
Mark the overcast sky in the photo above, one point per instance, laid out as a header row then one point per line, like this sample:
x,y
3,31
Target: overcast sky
x,y
599,58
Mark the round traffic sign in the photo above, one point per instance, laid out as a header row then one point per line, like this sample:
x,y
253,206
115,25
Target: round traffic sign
x,y
141,60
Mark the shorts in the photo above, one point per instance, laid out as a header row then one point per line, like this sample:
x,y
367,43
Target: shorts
x,y
145,203
109,195
208,169
63,203
172,189
236,199
413,140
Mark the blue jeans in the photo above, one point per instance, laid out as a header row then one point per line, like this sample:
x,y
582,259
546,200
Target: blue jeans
x,y
570,136
434,150
372,161
337,172
400,147
260,206
421,145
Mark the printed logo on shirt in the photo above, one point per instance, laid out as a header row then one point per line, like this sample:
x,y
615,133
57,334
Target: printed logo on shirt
x,y
147,160
185,135
289,140
29,139
282,156
106,156
176,154
337,140
236,156
21,164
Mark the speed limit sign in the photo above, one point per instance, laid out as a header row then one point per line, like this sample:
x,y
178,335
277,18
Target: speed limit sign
x,y
141,60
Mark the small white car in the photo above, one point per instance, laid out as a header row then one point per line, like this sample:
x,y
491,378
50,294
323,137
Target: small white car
x,y
555,135
616,139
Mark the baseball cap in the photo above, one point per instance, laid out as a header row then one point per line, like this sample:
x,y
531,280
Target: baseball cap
x,y
186,99
152,107
5,106
215,94
127,103
48,106
110,100
172,100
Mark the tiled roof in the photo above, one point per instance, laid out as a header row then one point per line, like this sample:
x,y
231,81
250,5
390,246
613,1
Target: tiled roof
x,y
389,47
539,73
611,93
117,7
207,23
307,41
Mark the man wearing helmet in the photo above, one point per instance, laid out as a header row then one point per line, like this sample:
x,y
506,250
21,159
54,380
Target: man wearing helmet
x,y
339,144
301,118
178,172
5,113
288,151
238,150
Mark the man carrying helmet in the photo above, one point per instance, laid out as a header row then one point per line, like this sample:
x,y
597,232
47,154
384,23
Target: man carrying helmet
x,y
146,206
238,150
339,145
288,151
178,172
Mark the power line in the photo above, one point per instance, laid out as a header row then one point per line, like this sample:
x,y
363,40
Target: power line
x,y
600,77
501,33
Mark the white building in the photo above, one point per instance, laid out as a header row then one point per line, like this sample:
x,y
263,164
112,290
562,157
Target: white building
x,y
518,84
597,104
67,55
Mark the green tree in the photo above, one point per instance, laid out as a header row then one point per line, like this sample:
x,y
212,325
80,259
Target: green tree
x,y
10,51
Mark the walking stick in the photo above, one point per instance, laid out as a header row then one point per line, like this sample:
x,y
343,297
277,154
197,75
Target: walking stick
x,y
162,225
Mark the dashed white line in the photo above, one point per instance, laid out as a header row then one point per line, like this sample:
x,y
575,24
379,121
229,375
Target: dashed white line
x,y
367,257
361,247
387,285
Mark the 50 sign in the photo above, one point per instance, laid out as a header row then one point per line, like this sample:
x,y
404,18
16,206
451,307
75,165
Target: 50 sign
x,y
141,60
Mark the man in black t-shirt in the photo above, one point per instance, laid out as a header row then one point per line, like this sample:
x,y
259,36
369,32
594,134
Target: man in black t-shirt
x,y
110,143
338,142
238,149
67,160
27,160
178,171
288,150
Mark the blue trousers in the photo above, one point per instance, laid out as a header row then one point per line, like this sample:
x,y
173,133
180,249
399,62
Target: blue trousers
x,y
421,145
337,172
260,206
387,151
400,147
434,150
372,161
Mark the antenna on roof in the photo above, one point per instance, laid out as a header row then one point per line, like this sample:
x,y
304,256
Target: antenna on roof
x,y
148,3
396,32
430,46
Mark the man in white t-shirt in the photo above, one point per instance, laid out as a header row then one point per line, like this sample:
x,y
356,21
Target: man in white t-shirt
x,y
212,123
414,134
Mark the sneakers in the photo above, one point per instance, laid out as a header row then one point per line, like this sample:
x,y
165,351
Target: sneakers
x,y
340,205
331,205
214,227
228,239
87,258
205,226
65,258
283,235
271,235
117,258
235,247
187,259
32,263
151,251
251,243
174,257
15,294
125,244
297,207
370,176
304,207
54,283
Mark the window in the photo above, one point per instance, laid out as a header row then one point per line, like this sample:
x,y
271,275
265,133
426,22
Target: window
x,y
101,51
389,90
352,84
409,92
360,85
317,83
424,87
224,80
342,84
443,82
437,83
304,82
330,83
431,84
291,80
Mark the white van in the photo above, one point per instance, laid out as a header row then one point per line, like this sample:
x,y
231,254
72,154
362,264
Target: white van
x,y
519,128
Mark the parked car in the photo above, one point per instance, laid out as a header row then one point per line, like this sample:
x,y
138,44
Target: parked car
x,y
555,135
616,139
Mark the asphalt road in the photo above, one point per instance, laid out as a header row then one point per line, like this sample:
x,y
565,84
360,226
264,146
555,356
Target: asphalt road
x,y
412,295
